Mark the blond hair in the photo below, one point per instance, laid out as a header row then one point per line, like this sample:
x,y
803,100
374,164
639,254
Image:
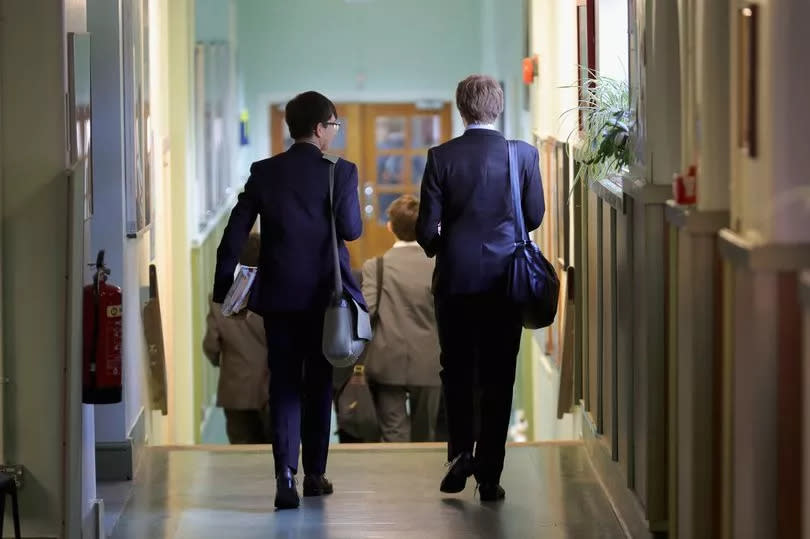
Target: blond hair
x,y
479,99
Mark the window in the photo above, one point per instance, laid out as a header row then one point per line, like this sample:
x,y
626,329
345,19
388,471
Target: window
x,y
216,134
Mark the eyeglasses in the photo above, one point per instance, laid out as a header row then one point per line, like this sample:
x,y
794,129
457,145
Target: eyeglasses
x,y
336,124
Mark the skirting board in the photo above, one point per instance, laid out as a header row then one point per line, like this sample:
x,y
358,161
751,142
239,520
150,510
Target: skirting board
x,y
137,438
625,504
117,461
93,522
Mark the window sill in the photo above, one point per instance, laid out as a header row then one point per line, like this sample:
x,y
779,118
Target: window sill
x,y
198,239
610,190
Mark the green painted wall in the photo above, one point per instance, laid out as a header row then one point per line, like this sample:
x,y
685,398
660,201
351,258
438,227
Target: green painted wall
x,y
367,51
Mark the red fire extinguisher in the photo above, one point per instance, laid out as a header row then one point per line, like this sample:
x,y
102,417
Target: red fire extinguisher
x,y
101,381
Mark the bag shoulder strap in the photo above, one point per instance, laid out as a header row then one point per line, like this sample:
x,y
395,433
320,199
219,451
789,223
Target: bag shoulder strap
x,y
338,278
379,267
521,236
379,282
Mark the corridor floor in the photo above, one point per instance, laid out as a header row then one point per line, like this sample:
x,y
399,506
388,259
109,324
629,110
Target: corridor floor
x,y
380,492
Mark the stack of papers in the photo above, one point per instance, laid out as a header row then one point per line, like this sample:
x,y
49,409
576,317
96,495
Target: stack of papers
x,y
237,298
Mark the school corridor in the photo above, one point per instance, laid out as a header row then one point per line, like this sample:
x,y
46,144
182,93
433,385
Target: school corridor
x,y
670,397
380,492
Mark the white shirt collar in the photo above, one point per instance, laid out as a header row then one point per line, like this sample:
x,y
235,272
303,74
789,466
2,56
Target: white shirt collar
x,y
491,127
400,243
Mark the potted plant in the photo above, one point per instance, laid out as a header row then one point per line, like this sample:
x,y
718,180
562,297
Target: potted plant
x,y
601,140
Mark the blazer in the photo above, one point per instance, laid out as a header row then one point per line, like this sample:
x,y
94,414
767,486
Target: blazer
x,y
466,216
290,193
237,346
405,348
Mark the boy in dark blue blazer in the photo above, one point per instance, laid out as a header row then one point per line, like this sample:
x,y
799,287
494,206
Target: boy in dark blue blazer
x,y
290,194
466,220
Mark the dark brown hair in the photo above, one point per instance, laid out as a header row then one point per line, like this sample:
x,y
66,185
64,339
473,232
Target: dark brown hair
x,y
305,111
403,213
479,99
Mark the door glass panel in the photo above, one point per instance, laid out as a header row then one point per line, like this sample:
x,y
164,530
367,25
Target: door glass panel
x,y
418,163
389,169
383,201
390,132
426,131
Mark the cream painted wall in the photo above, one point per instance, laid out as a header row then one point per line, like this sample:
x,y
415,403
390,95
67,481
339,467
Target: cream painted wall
x,y
543,43
34,213
712,103
565,72
165,219
553,39
180,64
663,93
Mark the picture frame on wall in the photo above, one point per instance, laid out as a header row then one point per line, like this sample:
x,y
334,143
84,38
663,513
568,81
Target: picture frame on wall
x,y
137,173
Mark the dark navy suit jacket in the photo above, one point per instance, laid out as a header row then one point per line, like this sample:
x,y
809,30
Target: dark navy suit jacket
x,y
466,189
290,192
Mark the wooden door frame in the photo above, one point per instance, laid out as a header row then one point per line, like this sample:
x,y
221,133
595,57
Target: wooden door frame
x,y
364,152
376,234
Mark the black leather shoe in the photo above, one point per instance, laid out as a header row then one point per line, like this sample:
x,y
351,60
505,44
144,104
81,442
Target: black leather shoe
x,y
286,492
491,492
317,485
461,468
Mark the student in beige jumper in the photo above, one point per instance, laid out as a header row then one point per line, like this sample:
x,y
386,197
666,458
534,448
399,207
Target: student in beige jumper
x,y
402,361
236,344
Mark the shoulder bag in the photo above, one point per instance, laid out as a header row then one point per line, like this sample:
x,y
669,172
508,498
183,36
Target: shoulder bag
x,y
532,282
346,325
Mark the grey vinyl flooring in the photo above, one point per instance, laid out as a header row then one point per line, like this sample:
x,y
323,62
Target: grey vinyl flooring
x,y
380,492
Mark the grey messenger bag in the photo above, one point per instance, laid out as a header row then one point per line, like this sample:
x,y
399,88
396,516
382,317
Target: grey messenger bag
x,y
346,325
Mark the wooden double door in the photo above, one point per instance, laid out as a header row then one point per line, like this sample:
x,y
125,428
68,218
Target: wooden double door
x,y
389,144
